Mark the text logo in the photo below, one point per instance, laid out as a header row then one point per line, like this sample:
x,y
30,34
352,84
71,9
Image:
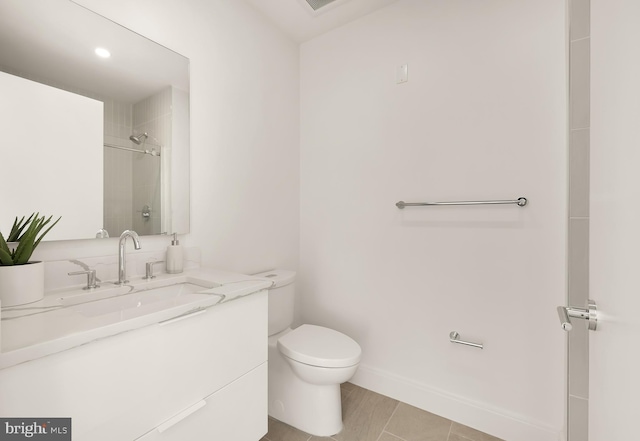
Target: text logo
x,y
39,429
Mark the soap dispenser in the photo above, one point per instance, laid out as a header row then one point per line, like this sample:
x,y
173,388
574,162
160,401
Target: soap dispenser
x,y
174,256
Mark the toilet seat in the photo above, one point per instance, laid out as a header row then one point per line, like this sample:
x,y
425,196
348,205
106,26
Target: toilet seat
x,y
319,346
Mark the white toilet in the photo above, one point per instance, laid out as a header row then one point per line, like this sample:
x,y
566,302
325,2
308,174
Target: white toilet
x,y
306,364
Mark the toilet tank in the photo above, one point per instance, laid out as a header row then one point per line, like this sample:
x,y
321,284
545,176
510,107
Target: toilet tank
x,y
281,298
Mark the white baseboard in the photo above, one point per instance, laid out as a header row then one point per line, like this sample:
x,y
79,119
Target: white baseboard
x,y
497,422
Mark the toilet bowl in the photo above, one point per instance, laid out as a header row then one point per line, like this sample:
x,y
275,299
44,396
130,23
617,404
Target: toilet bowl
x,y
304,379
306,365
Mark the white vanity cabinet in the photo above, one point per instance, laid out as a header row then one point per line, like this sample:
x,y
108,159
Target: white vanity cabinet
x,y
198,377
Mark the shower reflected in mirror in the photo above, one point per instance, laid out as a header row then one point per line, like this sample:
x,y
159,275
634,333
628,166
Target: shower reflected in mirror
x,y
143,89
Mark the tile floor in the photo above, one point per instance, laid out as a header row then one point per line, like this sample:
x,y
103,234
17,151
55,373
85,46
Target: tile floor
x,y
369,416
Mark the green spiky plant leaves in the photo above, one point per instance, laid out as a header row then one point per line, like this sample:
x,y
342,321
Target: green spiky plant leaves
x,y
27,234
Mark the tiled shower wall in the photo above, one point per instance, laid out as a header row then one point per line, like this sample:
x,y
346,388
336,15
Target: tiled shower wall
x,y
118,183
578,252
153,116
132,181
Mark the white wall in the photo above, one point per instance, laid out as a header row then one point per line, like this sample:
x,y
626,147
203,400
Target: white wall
x,y
34,132
244,131
483,116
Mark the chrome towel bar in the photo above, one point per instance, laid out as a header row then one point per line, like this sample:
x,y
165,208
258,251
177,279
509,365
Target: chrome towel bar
x,y
521,202
454,337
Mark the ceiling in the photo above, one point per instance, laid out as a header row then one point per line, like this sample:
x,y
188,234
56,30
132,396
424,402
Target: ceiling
x,y
298,20
137,69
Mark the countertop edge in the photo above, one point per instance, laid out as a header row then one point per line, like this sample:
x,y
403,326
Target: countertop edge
x,y
231,286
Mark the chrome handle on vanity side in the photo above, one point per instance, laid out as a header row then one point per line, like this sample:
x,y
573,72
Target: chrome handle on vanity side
x,y
590,314
454,337
91,278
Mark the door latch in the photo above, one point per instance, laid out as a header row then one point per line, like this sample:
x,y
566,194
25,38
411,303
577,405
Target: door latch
x,y
590,314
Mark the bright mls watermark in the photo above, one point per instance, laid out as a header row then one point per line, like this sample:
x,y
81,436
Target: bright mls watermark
x,y
41,429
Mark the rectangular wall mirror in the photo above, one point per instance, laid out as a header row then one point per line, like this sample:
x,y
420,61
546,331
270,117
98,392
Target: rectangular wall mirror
x,y
96,127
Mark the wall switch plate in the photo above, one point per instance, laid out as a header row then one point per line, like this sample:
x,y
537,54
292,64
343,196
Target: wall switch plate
x,y
402,74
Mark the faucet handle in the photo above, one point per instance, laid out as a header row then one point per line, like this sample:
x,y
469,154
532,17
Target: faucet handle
x,y
149,269
91,278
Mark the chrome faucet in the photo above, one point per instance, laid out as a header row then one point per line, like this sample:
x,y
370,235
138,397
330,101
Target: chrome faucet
x,y
122,261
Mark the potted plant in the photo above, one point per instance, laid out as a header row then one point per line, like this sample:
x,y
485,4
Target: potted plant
x,y
21,280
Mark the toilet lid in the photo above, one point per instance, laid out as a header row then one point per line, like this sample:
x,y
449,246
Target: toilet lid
x,y
318,346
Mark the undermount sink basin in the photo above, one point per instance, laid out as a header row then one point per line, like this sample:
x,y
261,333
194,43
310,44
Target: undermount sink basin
x,y
139,299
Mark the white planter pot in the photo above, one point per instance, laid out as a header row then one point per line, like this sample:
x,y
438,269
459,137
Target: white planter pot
x,y
20,284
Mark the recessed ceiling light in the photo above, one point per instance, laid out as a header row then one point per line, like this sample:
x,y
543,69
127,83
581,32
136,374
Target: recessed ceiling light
x,y
102,52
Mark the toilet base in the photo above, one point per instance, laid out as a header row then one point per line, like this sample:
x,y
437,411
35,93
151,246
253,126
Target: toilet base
x,y
314,409
319,416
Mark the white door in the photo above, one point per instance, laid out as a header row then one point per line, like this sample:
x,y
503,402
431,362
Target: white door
x,y
614,385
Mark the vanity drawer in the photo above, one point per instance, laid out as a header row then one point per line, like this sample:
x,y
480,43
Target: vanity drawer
x,y
201,354
237,412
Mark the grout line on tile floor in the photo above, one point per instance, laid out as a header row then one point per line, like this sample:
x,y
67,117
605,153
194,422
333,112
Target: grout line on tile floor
x,y
450,428
463,437
389,420
393,435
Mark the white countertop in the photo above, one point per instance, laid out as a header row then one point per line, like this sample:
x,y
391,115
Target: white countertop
x,y
67,318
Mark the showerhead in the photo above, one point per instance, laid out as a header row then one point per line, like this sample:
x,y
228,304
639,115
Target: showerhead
x,y
139,139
